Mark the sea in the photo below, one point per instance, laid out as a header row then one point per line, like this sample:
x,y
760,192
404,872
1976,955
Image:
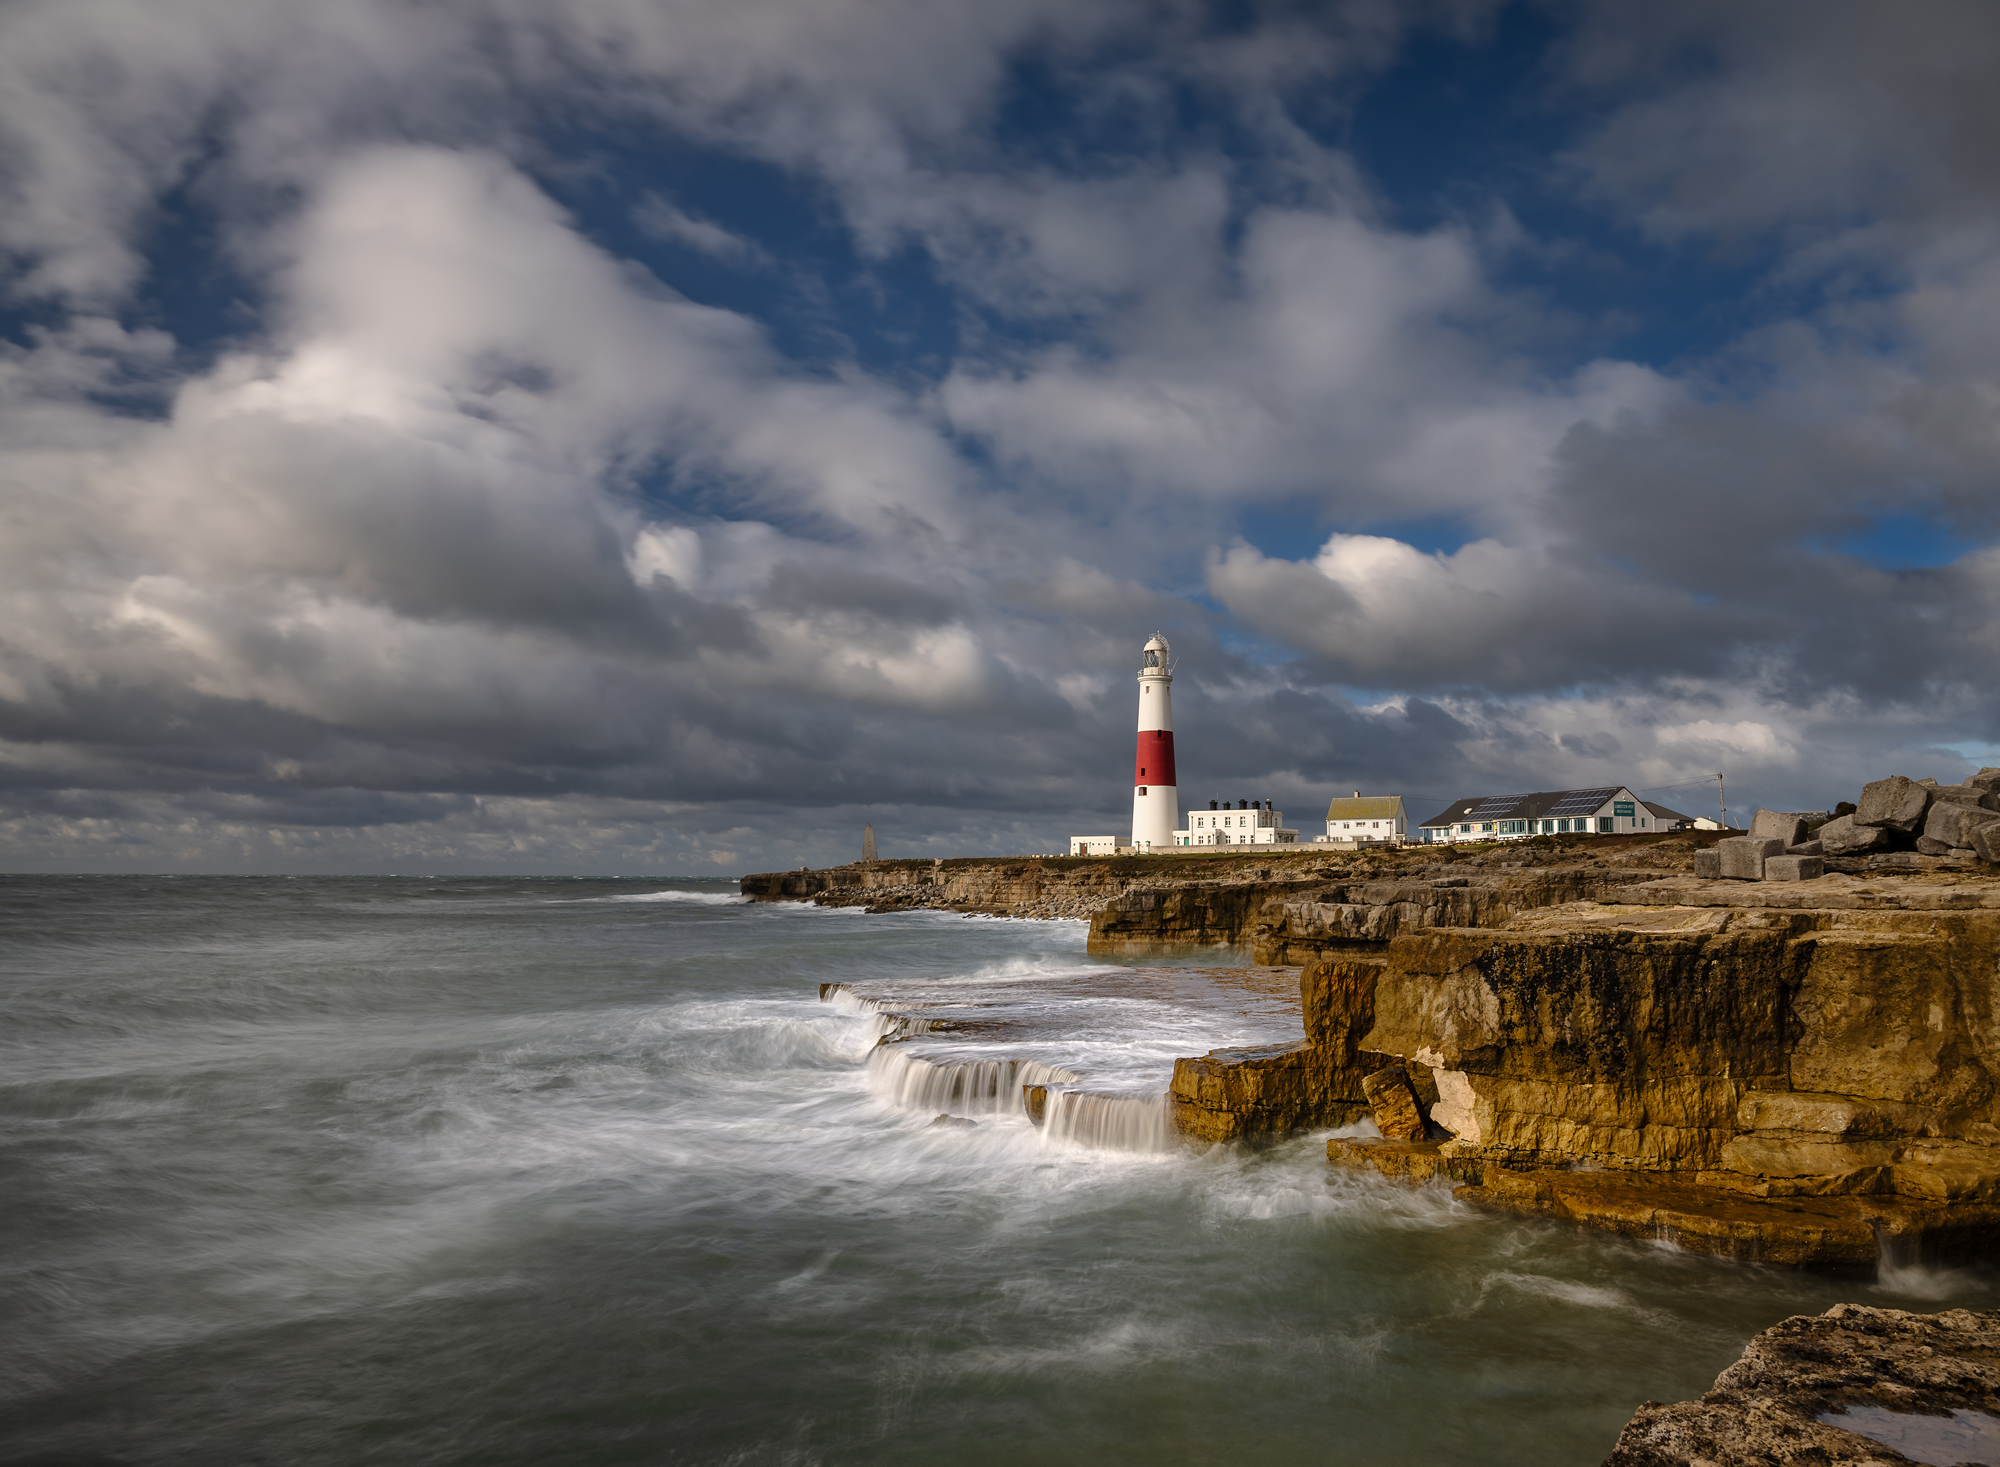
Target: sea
x,y
483,1171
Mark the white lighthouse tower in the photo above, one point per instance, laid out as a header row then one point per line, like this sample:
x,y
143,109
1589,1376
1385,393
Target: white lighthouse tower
x,y
1156,796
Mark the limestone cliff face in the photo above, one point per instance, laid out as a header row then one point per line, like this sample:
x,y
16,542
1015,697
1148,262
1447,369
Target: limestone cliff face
x,y
1849,1050
1369,914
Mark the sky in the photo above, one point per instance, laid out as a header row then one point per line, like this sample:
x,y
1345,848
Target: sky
x,y
658,436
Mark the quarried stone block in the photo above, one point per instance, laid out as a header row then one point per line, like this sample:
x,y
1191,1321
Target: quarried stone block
x,y
1986,843
1743,856
1793,868
1895,803
1842,837
1967,794
1953,823
1707,865
1777,825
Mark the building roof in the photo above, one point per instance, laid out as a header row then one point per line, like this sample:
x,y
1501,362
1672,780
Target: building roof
x,y
1525,807
1366,807
1665,814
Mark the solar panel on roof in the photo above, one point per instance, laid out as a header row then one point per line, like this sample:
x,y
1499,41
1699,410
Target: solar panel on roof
x,y
1488,809
1581,802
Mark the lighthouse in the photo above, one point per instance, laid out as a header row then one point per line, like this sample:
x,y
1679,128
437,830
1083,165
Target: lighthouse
x,y
1156,803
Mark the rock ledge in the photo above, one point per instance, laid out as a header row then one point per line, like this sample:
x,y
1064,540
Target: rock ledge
x,y
1852,1362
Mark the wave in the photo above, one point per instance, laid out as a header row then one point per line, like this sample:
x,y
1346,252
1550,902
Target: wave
x,y
958,1087
1108,1122
699,898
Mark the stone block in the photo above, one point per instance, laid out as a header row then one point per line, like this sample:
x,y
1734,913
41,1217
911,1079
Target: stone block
x,y
1806,848
1967,794
1953,823
1895,803
1842,837
1707,865
1393,1104
1986,843
1928,847
1743,856
1775,824
1793,868
1986,779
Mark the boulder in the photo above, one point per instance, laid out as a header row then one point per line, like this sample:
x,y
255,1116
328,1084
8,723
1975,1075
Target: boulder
x,y
1777,825
1743,856
1707,865
1986,843
1806,848
1842,837
1793,868
1895,803
1986,779
1968,794
1393,1104
1928,847
1953,823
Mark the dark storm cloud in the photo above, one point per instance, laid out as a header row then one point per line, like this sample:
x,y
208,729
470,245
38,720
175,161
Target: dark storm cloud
x,y
499,513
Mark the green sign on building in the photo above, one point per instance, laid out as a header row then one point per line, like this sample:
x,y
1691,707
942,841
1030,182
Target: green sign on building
x,y
1623,807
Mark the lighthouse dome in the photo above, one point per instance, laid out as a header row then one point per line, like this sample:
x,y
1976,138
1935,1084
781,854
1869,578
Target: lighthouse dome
x,y
1155,655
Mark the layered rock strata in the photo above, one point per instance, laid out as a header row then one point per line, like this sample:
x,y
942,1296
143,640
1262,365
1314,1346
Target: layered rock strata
x,y
1284,907
1790,1073
1854,1385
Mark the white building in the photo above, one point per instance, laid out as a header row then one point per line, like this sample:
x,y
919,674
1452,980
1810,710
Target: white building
x,y
1099,845
1603,811
1366,819
1251,823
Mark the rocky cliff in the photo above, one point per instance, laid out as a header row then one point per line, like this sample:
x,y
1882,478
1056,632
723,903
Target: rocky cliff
x,y
1284,907
1792,1072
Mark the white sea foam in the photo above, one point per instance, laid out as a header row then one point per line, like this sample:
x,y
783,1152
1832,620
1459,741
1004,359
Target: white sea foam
x,y
693,898
1108,1122
957,1087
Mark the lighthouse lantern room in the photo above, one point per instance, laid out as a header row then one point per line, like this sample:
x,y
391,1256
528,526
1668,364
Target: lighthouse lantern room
x,y
1156,805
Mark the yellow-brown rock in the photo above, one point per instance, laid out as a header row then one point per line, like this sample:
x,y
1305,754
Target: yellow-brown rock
x,y
1393,1104
1785,1079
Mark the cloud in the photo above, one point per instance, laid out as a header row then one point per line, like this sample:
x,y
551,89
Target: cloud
x,y
375,488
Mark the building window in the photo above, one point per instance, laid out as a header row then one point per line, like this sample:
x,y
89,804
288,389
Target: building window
x,y
1142,789
1605,825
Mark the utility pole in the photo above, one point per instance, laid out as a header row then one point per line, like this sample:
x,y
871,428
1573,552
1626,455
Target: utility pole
x,y
1722,795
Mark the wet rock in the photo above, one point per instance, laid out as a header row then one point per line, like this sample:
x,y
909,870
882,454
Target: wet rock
x,y
1262,1093
951,1123
1895,803
1035,1101
1836,1388
1417,1161
1393,1104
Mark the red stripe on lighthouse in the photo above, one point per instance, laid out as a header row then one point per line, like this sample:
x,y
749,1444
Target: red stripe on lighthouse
x,y
1155,761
